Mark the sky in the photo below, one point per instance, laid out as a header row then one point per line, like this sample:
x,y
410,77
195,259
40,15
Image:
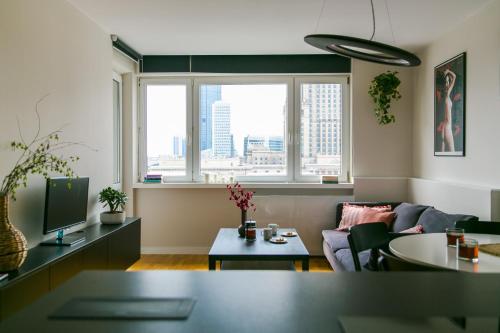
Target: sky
x,y
255,110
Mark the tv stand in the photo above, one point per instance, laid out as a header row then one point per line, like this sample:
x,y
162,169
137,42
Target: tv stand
x,y
65,240
105,247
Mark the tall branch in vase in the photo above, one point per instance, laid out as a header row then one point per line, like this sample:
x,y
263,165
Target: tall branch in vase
x,y
39,156
243,200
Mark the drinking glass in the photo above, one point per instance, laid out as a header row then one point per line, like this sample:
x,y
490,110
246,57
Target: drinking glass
x,y
454,235
469,250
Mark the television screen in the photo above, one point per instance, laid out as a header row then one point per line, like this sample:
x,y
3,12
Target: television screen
x,y
65,205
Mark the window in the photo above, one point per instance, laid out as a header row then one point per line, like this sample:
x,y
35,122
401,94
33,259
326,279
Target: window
x,y
234,141
259,128
117,128
166,120
322,150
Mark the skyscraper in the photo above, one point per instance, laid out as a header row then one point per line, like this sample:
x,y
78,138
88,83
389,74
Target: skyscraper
x,y
276,143
179,146
208,95
321,120
221,129
251,142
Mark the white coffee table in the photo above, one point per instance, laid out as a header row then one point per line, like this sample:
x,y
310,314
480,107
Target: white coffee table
x,y
431,250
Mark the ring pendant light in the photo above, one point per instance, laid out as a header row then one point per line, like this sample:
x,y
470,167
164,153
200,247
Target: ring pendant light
x,y
363,49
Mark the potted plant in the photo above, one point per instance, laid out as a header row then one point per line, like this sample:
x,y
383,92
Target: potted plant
x,y
383,89
37,157
243,200
115,200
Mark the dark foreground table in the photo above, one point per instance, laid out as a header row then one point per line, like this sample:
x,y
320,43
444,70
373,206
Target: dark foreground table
x,y
242,301
229,247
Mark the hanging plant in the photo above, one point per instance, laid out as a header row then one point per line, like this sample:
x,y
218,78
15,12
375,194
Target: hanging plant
x,y
383,90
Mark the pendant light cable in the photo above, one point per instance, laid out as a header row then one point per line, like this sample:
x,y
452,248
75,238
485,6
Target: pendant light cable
x,y
373,21
320,15
390,21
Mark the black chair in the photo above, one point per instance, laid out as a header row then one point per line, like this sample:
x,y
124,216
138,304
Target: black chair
x,y
366,236
479,227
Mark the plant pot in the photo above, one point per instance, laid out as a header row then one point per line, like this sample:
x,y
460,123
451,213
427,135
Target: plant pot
x,y
113,218
13,245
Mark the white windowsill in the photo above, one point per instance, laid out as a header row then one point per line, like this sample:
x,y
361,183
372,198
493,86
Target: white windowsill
x,y
247,185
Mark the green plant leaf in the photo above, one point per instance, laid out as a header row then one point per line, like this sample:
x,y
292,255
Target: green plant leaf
x,y
384,89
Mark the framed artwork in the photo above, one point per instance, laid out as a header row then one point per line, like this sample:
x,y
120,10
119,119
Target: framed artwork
x,y
449,107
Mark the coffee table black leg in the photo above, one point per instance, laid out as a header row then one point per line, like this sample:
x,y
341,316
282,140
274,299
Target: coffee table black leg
x,y
211,263
305,265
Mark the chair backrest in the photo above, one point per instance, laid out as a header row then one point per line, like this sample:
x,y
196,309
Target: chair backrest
x,y
392,263
479,227
366,236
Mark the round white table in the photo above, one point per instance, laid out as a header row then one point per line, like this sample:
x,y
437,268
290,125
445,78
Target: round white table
x,y
431,250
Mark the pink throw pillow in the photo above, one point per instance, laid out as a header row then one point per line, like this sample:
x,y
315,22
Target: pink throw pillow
x,y
418,229
354,214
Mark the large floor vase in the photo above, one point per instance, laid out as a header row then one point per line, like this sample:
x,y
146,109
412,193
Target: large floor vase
x,y
13,245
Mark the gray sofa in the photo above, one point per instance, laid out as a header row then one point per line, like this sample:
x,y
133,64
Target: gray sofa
x,y
336,246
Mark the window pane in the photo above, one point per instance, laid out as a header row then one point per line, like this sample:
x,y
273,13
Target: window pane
x,y
242,130
320,129
116,132
166,129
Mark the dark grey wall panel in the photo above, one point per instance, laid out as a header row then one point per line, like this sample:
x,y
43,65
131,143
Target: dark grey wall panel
x,y
258,64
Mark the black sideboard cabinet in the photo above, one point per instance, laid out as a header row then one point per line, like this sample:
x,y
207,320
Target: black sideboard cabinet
x,y
113,247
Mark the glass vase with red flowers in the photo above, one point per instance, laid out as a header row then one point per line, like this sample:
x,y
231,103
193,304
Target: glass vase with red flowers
x,y
243,200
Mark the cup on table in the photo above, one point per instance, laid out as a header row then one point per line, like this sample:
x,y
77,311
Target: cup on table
x,y
469,250
267,233
454,236
274,227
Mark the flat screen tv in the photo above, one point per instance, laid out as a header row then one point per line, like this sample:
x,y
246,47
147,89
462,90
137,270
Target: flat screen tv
x,y
65,206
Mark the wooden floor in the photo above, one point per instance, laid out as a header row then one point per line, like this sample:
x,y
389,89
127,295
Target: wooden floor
x,y
200,263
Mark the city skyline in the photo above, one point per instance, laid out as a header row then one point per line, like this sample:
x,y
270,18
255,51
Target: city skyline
x,y
250,104
250,139
209,94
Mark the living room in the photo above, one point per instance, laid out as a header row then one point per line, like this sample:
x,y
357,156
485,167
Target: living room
x,y
89,69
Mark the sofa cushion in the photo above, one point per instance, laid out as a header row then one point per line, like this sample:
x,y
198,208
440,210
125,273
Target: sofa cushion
x,y
418,229
433,220
340,207
407,216
354,215
336,239
344,256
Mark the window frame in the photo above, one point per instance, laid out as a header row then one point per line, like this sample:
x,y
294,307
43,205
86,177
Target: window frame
x,y
346,115
119,136
143,133
242,80
292,119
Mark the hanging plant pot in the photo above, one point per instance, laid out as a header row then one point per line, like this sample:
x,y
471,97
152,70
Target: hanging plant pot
x,y
384,89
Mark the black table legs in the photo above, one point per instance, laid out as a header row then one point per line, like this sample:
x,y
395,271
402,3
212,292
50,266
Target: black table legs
x,y
305,265
211,263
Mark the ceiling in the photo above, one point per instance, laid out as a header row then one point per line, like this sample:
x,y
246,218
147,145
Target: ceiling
x,y
270,26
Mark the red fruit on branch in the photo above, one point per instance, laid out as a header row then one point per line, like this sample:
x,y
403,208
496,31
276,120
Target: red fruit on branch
x,y
241,197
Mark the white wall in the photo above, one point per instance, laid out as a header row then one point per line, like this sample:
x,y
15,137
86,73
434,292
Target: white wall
x,y
50,47
456,198
187,220
480,38
380,150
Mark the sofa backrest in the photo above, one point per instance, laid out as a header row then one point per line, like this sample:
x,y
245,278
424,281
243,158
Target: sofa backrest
x,y
340,207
